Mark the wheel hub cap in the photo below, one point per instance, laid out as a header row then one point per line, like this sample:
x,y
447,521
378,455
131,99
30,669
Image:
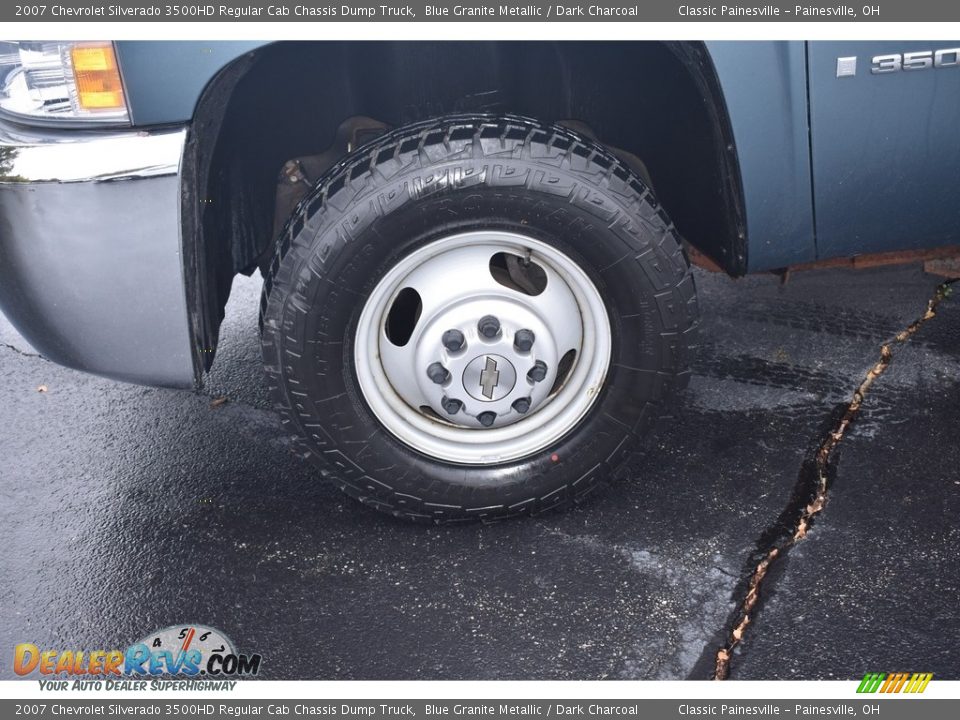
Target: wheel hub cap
x,y
489,377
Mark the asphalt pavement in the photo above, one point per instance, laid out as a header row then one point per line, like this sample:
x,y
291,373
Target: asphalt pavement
x,y
126,509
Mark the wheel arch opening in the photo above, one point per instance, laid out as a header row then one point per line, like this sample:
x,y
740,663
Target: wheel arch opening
x,y
658,102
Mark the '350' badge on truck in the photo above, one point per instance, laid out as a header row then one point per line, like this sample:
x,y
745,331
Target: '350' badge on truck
x,y
919,60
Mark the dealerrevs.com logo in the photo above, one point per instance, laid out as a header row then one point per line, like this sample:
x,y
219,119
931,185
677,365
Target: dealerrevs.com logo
x,y
179,651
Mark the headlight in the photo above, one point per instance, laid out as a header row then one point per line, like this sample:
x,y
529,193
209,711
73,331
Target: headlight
x,y
61,81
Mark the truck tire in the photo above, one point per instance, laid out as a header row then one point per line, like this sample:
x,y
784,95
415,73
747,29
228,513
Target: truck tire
x,y
476,317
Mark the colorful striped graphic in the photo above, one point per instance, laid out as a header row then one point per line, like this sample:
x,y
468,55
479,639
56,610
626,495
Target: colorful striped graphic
x,y
894,682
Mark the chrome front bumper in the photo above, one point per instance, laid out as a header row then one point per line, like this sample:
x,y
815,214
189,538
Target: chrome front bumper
x,y
91,272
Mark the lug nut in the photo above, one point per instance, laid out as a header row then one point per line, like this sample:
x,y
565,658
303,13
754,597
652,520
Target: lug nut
x,y
453,340
486,418
521,405
451,405
538,372
523,340
489,327
437,373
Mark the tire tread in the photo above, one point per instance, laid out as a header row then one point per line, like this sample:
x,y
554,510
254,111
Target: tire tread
x,y
334,202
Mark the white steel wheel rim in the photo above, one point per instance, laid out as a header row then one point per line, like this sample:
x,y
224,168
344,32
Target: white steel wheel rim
x,y
456,287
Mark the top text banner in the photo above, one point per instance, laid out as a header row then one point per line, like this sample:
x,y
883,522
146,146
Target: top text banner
x,y
479,11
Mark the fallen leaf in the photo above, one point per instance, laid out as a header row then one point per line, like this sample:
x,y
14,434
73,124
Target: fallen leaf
x,y
217,402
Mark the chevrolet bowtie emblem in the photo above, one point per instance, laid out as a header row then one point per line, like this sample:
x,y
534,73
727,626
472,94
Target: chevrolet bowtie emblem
x,y
489,378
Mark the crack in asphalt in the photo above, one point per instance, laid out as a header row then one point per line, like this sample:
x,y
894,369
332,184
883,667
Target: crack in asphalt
x,y
22,352
810,494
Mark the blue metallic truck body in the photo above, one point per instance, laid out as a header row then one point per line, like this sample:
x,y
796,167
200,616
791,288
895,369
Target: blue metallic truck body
x,y
764,84
828,166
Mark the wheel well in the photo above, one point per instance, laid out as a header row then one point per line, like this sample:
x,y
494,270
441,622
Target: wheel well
x,y
659,102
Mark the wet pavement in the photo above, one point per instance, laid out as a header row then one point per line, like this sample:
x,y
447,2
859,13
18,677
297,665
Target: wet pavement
x,y
127,509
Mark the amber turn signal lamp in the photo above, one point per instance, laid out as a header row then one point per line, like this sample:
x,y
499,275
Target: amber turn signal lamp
x,y
97,77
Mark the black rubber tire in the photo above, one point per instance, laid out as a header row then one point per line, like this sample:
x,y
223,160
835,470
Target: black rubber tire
x,y
457,174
